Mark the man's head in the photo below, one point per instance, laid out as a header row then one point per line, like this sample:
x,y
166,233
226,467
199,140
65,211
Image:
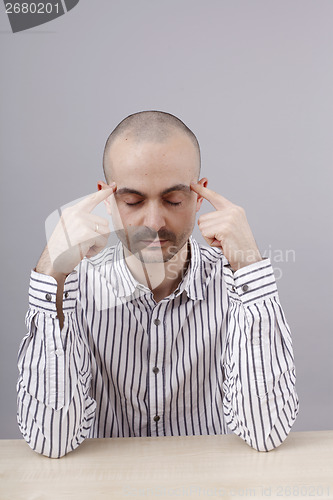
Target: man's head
x,y
152,156
147,126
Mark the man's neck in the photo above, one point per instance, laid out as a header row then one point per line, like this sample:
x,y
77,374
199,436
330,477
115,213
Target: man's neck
x,y
161,277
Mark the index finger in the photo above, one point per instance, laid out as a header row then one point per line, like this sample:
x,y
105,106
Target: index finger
x,y
217,200
91,201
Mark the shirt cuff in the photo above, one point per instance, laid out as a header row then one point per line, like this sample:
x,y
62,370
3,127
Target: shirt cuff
x,y
43,292
255,282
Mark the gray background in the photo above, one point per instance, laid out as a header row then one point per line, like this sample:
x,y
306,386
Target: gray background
x,y
253,79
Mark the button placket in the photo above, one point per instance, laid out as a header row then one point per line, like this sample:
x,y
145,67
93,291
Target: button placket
x,y
155,375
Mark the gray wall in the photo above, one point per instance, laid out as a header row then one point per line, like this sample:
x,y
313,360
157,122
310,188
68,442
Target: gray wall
x,y
253,79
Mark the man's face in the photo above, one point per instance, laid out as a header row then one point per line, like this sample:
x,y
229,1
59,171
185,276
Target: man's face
x,y
154,209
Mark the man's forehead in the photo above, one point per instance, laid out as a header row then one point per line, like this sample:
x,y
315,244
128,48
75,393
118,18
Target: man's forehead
x,y
127,145
146,160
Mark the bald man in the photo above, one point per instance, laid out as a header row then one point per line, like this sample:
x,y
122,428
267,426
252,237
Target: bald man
x,y
157,335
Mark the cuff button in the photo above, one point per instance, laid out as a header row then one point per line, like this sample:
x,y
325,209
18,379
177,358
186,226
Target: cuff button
x,y
48,297
245,288
66,295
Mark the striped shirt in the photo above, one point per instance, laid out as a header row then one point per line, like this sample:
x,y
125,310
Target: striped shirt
x,y
214,356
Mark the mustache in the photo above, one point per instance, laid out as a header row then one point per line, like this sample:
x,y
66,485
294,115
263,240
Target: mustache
x,y
149,234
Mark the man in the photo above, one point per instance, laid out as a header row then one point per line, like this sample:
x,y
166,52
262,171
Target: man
x,y
156,335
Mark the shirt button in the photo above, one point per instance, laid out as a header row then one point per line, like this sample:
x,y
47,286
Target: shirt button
x,y
48,297
157,322
58,352
156,418
66,295
155,369
256,341
233,288
245,288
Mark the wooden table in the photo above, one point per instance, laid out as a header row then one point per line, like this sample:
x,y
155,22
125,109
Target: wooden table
x,y
196,467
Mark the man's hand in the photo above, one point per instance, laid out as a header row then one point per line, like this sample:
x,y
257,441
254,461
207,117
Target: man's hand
x,y
78,234
228,229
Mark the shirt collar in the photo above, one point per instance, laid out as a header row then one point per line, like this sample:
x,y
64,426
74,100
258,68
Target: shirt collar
x,y
125,284
122,279
192,282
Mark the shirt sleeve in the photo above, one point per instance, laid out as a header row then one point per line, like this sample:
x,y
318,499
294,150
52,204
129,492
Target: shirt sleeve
x,y
55,411
260,401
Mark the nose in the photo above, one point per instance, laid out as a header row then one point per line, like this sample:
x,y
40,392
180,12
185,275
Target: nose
x,y
153,217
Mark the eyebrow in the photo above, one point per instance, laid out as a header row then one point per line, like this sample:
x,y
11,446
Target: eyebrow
x,y
177,187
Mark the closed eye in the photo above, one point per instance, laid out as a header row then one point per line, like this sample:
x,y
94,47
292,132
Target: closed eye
x,y
138,202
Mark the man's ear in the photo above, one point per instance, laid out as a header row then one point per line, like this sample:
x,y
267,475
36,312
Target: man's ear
x,y
102,185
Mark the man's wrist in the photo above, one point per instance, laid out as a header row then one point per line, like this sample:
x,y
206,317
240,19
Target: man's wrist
x,y
44,266
59,277
243,258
